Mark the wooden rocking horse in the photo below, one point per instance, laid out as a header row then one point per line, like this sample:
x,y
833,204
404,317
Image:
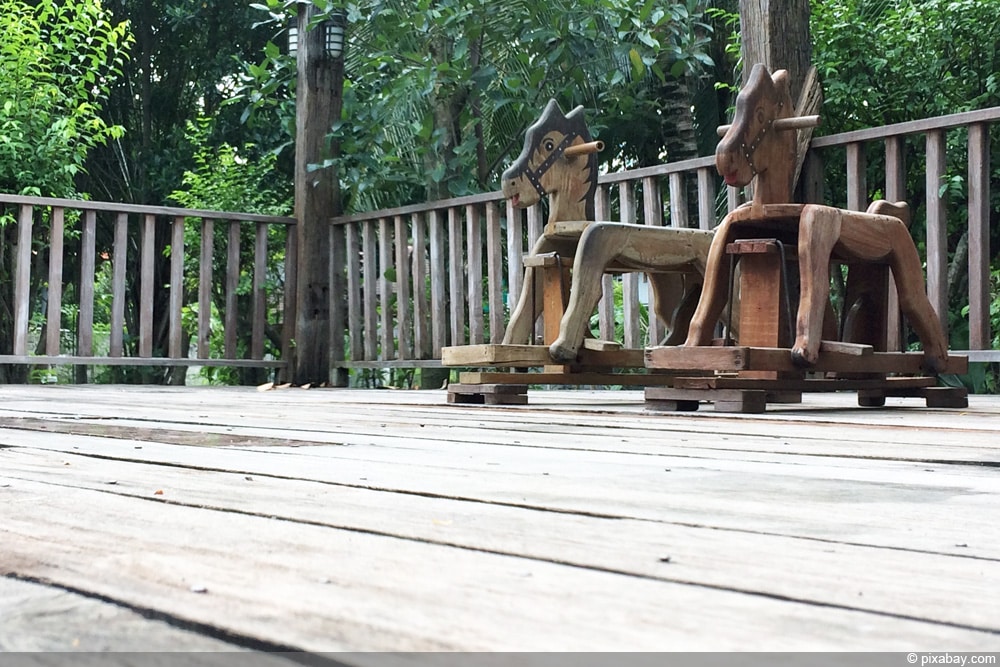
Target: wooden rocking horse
x,y
564,271
559,160
760,146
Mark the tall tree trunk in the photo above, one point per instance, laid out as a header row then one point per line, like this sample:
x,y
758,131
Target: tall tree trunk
x,y
776,33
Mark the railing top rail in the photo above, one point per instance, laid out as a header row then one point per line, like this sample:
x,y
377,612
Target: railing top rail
x,y
84,205
911,127
658,170
419,208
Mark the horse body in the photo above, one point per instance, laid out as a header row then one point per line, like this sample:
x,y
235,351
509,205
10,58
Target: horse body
x,y
557,162
756,148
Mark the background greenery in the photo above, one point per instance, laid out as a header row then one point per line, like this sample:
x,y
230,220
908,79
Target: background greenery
x,y
192,102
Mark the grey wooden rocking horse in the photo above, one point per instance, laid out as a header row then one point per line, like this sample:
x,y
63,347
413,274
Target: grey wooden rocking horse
x,y
559,160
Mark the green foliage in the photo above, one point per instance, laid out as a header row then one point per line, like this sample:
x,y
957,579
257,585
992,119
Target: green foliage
x,y
886,61
438,92
57,61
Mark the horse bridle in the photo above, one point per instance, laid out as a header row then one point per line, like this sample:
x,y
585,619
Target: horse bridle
x,y
534,175
748,151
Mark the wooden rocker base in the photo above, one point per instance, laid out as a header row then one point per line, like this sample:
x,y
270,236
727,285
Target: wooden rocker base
x,y
599,363
759,376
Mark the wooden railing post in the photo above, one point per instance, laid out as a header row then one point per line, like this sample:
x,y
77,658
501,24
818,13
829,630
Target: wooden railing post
x,y
318,104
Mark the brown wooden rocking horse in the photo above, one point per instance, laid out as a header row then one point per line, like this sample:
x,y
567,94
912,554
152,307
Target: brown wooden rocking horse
x,y
760,147
559,160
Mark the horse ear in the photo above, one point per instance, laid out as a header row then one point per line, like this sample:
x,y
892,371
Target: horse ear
x,y
780,78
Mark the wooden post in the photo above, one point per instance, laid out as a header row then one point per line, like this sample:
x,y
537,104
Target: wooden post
x,y
317,199
776,34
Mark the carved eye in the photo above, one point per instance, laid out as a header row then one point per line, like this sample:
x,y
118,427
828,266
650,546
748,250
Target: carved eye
x,y
760,115
549,145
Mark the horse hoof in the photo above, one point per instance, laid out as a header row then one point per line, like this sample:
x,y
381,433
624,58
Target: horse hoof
x,y
800,358
935,364
562,353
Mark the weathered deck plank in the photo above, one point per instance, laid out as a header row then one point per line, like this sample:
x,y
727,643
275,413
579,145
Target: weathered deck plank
x,y
882,578
348,520
37,617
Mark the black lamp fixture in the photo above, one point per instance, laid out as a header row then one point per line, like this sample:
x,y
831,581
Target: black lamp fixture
x,y
333,34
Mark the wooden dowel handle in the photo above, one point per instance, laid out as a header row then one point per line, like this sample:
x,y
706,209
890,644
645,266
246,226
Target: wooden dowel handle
x,y
584,149
793,123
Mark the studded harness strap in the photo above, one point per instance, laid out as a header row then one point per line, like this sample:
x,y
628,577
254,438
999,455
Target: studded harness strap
x,y
748,151
534,175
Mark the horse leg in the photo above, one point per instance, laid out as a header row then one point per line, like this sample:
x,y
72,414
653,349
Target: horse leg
x,y
599,246
874,237
520,328
715,291
675,297
819,231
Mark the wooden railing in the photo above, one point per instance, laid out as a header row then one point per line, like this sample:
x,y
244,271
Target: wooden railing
x,y
142,297
422,277
445,273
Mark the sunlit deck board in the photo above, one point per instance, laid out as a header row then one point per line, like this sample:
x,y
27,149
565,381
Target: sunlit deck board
x,y
387,520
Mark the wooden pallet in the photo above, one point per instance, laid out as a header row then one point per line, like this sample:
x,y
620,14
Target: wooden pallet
x,y
599,363
737,384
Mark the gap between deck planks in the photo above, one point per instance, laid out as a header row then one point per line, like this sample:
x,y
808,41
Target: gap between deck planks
x,y
41,618
846,500
882,579
323,589
818,499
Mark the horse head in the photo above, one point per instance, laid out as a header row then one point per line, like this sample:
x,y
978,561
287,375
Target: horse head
x,y
752,145
558,159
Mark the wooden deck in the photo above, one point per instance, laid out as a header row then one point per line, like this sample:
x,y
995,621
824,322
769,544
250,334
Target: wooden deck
x,y
200,519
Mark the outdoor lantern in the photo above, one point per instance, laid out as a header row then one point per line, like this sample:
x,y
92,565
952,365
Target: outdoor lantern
x,y
333,34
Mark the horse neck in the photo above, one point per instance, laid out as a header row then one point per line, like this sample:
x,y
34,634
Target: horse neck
x,y
571,204
774,185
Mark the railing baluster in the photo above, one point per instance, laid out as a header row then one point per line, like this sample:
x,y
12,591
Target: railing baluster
x,y
652,214
354,286
53,326
979,237
88,257
456,278
535,226
116,343
22,280
678,201
205,286
857,185
176,287
895,190
937,227
494,270
439,299
386,289
259,292
630,281
147,288
403,292
474,274
706,199
515,254
230,323
606,307
421,308
370,272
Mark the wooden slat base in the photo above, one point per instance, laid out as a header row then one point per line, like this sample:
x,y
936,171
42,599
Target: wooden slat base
x,y
833,357
575,378
733,394
488,394
530,356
